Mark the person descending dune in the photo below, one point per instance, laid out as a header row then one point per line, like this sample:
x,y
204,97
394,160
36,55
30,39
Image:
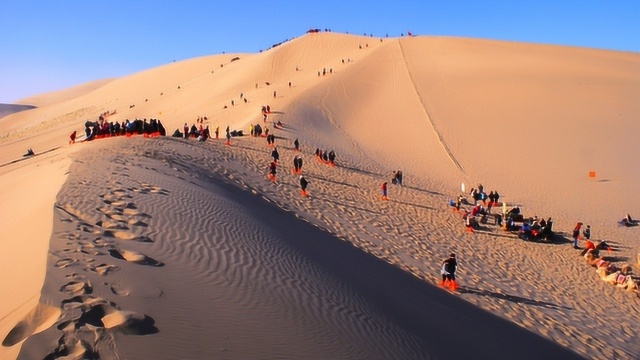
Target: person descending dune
x,y
272,171
303,186
448,272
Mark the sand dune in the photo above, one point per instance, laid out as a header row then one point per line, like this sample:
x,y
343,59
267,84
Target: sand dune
x,y
160,244
8,109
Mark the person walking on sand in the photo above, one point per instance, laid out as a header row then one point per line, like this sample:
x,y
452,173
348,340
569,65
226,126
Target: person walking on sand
x,y
272,171
448,272
303,186
72,137
296,145
383,188
576,234
299,161
296,169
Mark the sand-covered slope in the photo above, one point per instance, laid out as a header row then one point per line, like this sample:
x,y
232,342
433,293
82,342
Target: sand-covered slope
x,y
530,121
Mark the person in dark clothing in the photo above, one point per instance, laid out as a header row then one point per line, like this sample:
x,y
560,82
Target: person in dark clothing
x,y
586,233
299,164
272,171
449,273
72,137
296,168
275,155
161,129
332,158
296,145
303,186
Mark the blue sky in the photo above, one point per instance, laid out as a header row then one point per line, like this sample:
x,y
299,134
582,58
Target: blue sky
x,y
51,45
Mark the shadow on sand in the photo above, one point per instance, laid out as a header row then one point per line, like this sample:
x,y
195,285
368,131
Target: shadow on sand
x,y
511,298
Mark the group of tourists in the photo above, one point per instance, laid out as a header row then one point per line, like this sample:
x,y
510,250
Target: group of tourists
x,y
328,158
103,128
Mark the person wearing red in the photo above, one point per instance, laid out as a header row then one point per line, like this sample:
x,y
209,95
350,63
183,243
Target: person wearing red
x,y
383,188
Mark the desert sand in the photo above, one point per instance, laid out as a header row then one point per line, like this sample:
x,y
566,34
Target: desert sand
x,y
172,248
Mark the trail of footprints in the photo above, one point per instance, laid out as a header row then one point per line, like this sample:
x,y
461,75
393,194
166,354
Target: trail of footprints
x,y
96,251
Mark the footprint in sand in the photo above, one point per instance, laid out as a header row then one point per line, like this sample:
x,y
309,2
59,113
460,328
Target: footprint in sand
x,y
134,257
37,320
63,263
134,222
102,269
77,287
101,313
133,212
108,211
127,236
117,289
111,225
100,242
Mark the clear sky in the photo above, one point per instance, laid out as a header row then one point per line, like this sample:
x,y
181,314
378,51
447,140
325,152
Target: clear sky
x,y
50,45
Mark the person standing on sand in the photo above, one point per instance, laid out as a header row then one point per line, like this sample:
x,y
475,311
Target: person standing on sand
x,y
448,272
296,145
576,234
383,188
587,232
186,130
73,137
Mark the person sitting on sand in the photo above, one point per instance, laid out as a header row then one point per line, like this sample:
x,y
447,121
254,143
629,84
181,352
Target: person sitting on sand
x,y
514,213
525,231
588,245
628,221
29,152
397,178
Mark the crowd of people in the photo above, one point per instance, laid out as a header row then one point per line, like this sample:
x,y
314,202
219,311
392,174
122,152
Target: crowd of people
x,y
104,128
539,229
